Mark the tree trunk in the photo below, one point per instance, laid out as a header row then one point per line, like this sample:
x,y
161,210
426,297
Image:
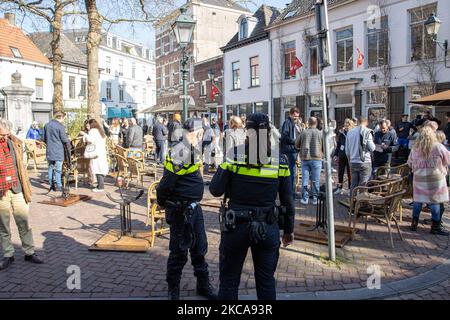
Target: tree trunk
x,y
93,42
57,57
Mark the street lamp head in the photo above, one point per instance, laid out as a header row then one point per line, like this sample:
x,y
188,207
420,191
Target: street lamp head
x,y
432,25
149,81
183,27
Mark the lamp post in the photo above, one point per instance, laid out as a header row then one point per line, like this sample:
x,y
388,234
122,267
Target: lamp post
x,y
433,25
183,27
321,13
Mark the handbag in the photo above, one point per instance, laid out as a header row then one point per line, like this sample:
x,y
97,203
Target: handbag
x,y
90,152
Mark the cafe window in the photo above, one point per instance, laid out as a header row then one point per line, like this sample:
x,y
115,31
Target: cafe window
x,y
314,61
262,107
108,91
422,46
121,67
203,88
315,102
344,49
71,87
376,97
39,86
254,71
236,70
377,43
288,59
121,93
83,86
108,65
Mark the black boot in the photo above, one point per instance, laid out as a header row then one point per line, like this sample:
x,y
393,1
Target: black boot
x,y
414,224
6,262
437,228
174,292
33,258
205,289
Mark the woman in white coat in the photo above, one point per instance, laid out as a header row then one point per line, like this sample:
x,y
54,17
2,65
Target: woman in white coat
x,y
99,165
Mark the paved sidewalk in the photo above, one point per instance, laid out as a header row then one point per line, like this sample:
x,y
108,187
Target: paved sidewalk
x,y
63,235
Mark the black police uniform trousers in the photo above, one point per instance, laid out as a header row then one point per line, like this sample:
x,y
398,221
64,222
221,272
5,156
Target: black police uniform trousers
x,y
178,255
233,250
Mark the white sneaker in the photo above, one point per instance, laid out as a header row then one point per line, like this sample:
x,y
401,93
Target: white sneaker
x,y
98,190
303,201
314,202
338,191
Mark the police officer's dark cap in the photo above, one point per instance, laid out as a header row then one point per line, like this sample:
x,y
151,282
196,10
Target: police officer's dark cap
x,y
193,124
257,120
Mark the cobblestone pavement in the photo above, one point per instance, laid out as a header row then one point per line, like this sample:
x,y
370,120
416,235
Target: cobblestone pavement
x,y
63,236
436,292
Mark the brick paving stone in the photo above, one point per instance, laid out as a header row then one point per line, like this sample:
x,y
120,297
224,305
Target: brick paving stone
x,y
63,235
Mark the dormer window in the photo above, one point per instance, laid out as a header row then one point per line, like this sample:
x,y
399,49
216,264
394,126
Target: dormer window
x,y
243,30
16,52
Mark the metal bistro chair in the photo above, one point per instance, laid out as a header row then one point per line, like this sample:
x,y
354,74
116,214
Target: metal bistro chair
x,y
379,201
155,215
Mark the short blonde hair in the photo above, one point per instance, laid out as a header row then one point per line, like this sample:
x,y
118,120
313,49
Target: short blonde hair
x,y
236,122
440,136
6,124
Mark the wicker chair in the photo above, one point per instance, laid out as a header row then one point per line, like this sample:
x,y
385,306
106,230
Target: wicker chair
x,y
379,201
138,171
36,152
149,146
155,214
122,167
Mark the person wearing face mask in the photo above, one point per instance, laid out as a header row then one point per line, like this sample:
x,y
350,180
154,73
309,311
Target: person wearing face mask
x,y
385,144
15,197
180,192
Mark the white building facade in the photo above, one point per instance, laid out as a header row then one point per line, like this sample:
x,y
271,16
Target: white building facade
x,y
127,73
19,54
247,65
400,63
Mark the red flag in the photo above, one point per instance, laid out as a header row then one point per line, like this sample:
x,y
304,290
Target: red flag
x,y
360,60
214,91
297,64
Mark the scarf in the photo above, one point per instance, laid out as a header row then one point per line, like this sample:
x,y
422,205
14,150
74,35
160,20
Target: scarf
x,y
8,172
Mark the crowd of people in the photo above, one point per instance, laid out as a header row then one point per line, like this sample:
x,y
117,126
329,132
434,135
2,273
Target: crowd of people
x,y
249,216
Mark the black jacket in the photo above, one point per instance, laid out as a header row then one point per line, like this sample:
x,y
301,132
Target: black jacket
x,y
159,131
288,137
447,132
176,185
246,192
406,128
340,146
383,158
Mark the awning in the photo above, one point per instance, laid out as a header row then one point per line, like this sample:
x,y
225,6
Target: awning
x,y
438,99
114,113
126,113
177,107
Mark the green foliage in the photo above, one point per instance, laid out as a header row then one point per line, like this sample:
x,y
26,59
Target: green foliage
x,y
75,121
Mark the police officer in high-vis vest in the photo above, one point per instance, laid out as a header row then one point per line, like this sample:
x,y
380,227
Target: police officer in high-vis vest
x,y
252,218
179,192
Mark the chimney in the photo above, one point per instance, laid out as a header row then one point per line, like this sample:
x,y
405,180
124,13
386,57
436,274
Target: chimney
x,y
11,17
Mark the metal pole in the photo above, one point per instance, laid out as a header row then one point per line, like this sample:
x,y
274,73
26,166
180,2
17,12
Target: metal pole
x,y
323,34
185,97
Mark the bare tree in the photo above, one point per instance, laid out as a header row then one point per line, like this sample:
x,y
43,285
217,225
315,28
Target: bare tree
x,y
52,11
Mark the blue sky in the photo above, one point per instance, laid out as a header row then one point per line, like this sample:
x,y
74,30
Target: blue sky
x,y
142,33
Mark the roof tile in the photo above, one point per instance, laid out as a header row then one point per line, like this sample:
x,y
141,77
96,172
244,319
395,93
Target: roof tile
x,y
12,36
